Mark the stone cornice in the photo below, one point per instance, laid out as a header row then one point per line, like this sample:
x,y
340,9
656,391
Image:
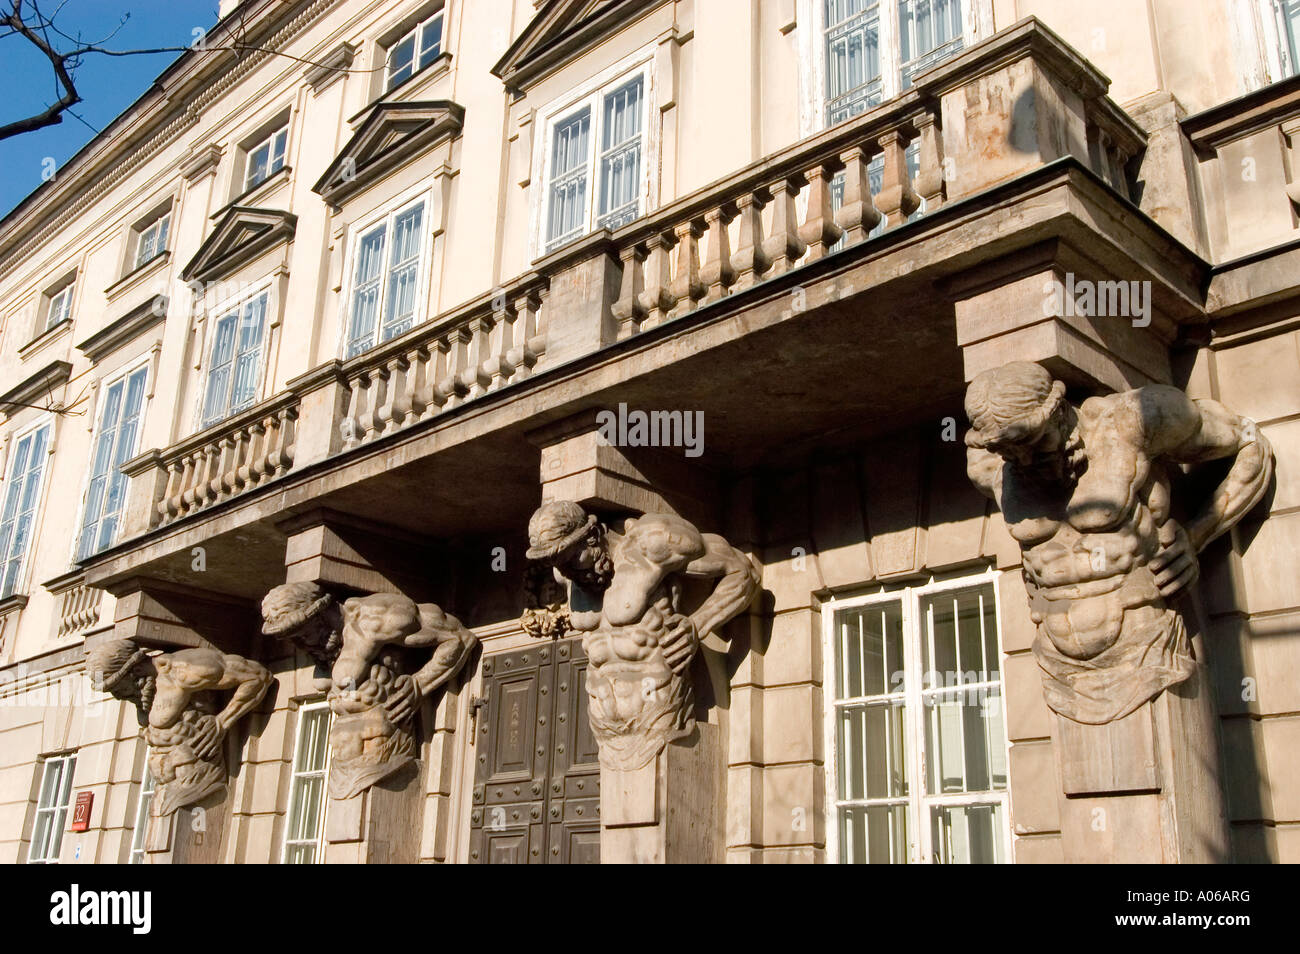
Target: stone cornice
x,y
46,379
242,234
130,326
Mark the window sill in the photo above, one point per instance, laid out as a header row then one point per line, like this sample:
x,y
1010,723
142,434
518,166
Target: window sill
x,y
134,278
409,87
258,193
49,336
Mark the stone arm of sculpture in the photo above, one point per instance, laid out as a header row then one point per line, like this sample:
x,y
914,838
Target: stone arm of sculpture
x,y
452,643
738,583
196,670
1193,431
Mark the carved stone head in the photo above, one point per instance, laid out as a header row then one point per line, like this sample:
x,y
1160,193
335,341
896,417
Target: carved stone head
x,y
307,616
121,668
1020,413
564,535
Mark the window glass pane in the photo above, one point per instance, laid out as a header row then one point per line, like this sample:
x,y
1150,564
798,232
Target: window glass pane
x,y
401,60
21,491
929,32
568,190
430,41
959,637
365,293
249,359
223,350
870,748
875,834
259,162
403,276
620,160
307,789
869,660
141,826
161,244
852,58
967,834
277,150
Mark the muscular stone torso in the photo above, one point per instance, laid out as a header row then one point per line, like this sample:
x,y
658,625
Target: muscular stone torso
x,y
1087,547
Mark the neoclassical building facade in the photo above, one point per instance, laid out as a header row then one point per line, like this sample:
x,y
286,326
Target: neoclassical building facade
x,y
663,431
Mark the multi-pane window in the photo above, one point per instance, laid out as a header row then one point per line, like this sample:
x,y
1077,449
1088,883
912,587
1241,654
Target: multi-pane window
x,y
917,728
22,492
115,444
59,308
595,174
1286,16
141,826
874,48
414,51
304,826
152,240
386,279
266,158
51,809
235,365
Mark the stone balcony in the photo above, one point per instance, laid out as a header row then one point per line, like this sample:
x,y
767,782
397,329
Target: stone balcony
x,y
847,298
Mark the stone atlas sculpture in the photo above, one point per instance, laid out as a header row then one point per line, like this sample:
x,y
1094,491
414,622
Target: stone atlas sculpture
x,y
176,696
624,595
1086,492
378,656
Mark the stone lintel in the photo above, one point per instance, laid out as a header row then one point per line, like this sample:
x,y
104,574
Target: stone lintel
x,y
337,549
164,615
578,464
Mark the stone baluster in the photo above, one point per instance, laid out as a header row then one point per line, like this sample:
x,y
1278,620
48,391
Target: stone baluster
x,y
441,376
629,309
819,231
686,286
750,261
390,376
169,507
453,385
474,378
783,246
718,273
241,441
254,468
282,455
351,423
897,199
929,176
498,366
657,298
415,385
858,215
522,354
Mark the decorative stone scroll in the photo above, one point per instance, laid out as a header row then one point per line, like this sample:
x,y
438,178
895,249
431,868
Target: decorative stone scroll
x,y
383,654
624,594
176,696
1087,493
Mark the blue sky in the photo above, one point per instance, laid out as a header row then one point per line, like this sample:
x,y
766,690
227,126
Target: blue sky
x,y
107,84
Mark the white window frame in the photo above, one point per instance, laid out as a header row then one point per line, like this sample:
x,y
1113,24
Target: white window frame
x,y
24,563
158,232
417,34
920,848
295,775
58,306
142,805
58,812
423,268
976,22
280,133
590,95
213,319
102,389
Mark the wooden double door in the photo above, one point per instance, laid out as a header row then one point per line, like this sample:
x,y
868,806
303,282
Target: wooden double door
x,y
536,774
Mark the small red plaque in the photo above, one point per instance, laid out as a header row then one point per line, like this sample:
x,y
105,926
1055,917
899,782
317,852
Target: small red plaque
x,y
81,811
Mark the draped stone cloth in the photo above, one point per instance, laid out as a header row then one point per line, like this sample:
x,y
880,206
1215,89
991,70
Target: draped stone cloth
x,y
1143,661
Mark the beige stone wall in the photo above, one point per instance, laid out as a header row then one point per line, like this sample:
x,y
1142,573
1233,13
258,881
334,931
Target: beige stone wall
x,y
899,509
1251,590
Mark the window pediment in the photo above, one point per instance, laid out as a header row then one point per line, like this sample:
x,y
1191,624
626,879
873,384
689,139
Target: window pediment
x,y
391,134
561,30
37,386
242,234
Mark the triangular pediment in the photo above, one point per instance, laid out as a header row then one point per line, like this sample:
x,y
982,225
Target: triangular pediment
x,y
390,134
562,29
242,234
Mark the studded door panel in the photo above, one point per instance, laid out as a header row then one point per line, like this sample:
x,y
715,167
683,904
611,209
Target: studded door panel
x,y
536,777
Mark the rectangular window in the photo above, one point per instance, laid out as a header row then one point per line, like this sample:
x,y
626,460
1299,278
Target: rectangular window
x,y
414,51
235,364
115,444
141,826
600,139
59,308
21,494
305,824
266,158
917,727
51,809
874,48
386,279
152,240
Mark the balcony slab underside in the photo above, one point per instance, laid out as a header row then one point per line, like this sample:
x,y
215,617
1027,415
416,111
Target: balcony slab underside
x,y
858,343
